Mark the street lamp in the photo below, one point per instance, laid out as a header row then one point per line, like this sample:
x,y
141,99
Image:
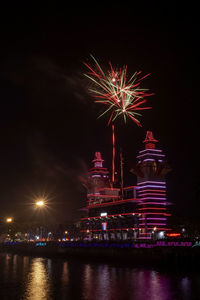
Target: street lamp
x,y
9,220
40,203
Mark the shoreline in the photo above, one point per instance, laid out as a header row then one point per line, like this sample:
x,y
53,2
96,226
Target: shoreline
x,y
181,257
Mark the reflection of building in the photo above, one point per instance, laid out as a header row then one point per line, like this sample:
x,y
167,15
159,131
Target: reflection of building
x,y
141,212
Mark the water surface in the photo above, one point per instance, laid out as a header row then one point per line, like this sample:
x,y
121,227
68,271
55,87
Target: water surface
x,y
34,278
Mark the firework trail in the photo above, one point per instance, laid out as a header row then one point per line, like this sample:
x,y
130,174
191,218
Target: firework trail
x,y
122,96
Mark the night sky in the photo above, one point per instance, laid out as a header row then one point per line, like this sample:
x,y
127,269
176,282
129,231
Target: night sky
x,y
48,122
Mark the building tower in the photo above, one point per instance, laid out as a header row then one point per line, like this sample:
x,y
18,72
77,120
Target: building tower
x,y
109,216
141,212
151,169
98,178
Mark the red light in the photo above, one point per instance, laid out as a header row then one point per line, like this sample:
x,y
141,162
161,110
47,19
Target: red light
x,y
98,171
113,158
151,208
173,234
113,202
116,215
129,187
101,196
111,189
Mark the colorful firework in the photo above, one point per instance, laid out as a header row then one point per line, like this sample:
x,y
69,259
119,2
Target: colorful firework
x,y
122,96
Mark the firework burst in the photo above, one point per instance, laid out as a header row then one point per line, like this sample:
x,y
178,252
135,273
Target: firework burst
x,y
122,96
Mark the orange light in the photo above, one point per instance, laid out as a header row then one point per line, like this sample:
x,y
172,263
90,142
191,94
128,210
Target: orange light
x,y
40,203
173,234
9,220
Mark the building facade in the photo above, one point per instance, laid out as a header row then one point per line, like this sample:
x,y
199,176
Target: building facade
x,y
136,212
151,170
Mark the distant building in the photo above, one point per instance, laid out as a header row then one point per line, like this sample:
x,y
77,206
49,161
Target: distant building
x,y
136,212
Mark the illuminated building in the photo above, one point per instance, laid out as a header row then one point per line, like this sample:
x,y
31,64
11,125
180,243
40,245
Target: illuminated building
x,y
151,170
139,212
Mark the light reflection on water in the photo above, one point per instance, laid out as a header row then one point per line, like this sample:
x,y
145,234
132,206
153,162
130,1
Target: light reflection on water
x,y
37,285
29,278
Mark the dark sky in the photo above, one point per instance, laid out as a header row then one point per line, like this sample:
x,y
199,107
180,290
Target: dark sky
x,y
48,123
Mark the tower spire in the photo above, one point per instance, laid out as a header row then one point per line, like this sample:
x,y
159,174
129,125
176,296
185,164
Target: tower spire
x,y
150,141
98,161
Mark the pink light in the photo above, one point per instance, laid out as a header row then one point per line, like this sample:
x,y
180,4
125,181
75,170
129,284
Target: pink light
x,y
147,186
149,159
156,150
164,219
141,192
154,198
158,182
152,194
162,244
144,224
158,203
151,154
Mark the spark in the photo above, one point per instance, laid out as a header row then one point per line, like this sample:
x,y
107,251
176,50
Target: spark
x,y
121,96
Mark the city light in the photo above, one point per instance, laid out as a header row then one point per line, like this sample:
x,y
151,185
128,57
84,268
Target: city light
x,y
9,220
40,203
103,214
161,234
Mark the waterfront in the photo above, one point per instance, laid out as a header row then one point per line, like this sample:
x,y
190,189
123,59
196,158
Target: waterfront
x,y
36,278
